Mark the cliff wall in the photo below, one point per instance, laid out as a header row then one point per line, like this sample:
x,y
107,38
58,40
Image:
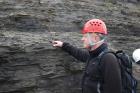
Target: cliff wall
x,y
29,63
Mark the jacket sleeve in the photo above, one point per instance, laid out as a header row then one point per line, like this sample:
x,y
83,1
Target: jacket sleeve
x,y
79,54
112,74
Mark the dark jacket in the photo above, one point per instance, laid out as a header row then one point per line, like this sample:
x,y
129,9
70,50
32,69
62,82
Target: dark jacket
x,y
105,78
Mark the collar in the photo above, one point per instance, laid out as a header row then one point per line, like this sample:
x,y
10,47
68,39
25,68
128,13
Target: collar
x,y
99,50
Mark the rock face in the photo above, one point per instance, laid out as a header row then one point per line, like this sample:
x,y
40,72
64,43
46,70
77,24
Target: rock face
x,y
29,63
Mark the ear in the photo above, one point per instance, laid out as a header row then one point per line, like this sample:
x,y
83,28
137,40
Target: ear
x,y
101,36
96,37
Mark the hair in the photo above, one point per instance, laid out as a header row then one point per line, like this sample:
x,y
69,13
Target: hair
x,y
102,36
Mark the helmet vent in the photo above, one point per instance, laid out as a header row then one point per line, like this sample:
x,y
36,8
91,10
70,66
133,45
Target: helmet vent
x,y
91,23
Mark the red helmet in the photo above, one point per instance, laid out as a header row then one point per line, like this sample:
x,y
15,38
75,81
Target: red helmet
x,y
95,25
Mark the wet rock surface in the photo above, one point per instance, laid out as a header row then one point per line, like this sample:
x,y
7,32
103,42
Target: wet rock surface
x,y
29,63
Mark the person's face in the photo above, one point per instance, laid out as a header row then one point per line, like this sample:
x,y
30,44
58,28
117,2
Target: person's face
x,y
88,38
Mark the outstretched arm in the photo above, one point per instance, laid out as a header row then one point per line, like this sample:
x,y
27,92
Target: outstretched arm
x,y
79,54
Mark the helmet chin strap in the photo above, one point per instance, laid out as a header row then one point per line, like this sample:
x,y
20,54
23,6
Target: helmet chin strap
x,y
91,43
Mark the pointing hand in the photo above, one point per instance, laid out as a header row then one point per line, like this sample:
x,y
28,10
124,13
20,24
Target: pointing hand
x,y
57,43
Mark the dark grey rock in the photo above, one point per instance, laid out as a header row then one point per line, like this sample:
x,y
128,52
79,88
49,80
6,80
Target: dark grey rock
x,y
29,63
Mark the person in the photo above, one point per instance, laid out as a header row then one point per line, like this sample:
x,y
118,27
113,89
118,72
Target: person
x,y
94,41
136,56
